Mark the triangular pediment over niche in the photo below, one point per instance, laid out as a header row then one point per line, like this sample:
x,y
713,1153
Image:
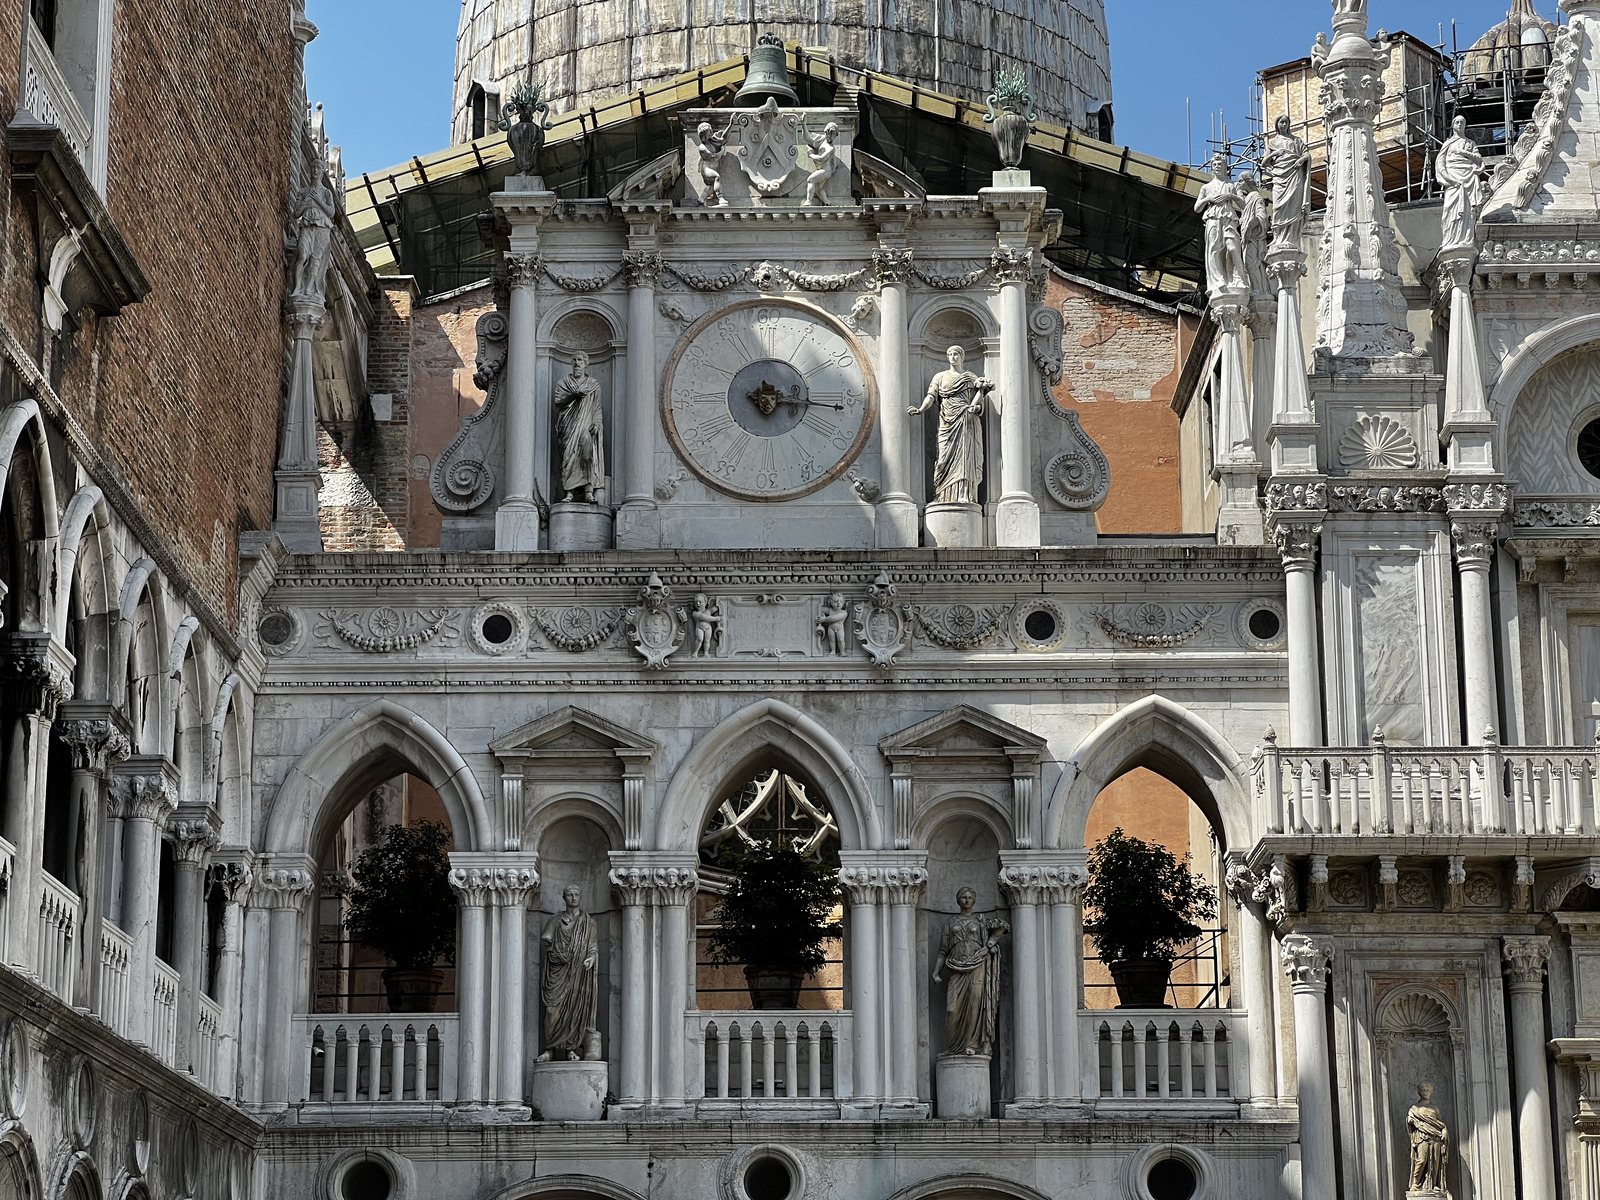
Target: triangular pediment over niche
x,y
576,731
963,732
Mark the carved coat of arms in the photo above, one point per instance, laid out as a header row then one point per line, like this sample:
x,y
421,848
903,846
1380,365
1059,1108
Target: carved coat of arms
x,y
881,623
655,625
769,146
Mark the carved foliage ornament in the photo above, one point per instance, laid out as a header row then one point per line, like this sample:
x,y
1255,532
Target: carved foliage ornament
x,y
1152,626
1306,961
576,629
387,630
958,627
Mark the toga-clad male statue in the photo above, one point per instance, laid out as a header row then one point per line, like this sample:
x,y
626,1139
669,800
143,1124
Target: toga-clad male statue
x,y
958,470
580,433
571,974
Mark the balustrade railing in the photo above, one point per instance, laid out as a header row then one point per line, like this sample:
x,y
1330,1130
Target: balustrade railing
x,y
116,952
785,1057
1402,790
208,1040
164,1017
60,917
8,863
1165,1054
377,1058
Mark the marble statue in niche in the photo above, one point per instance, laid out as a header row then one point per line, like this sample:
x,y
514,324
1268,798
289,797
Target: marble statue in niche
x,y
1220,207
830,627
580,433
313,221
970,952
1459,170
710,626
571,983
1286,167
1430,1146
958,469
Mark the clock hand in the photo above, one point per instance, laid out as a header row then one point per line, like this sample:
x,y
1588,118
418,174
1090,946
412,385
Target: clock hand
x,y
814,404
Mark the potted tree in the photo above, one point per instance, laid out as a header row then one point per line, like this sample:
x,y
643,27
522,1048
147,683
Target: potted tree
x,y
775,916
401,905
1146,907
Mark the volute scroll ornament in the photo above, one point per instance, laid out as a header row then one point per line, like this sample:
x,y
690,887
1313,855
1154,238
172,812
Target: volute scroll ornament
x,y
462,479
1078,478
655,625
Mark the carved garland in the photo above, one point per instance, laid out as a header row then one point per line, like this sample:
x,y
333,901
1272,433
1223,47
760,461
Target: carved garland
x,y
574,641
951,283
386,618
573,283
984,626
1198,618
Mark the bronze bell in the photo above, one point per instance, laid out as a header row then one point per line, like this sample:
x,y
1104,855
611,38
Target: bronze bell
x,y
768,76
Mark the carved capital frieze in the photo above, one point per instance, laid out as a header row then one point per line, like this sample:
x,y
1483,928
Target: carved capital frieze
x,y
1306,961
1477,497
1010,265
641,268
1525,961
1475,542
523,270
283,887
95,743
32,682
234,878
892,265
1297,542
1043,883
146,797
194,835
664,886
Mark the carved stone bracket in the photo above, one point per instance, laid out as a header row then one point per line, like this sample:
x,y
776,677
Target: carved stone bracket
x,y
1078,478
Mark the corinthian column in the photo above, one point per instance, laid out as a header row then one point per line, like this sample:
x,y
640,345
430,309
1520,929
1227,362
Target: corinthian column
x,y
1024,888
193,838
1255,965
471,883
675,891
516,523
1293,432
283,885
32,685
96,743
638,525
861,889
149,799
234,879
1475,541
1526,959
1298,535
635,887
903,890
896,520
1469,428
1017,514
1305,961
511,887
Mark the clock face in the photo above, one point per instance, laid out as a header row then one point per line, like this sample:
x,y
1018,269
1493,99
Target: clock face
x,y
768,400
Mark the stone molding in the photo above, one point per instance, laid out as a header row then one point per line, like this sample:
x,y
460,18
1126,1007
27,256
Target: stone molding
x,y
1526,959
1307,961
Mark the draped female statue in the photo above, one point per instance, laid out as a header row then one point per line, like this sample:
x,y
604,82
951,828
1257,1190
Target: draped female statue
x,y
970,951
1430,1145
1459,169
571,974
580,433
958,470
1286,167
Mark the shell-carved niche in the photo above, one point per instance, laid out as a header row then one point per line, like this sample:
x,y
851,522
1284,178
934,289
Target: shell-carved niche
x,y
1419,1043
462,478
1378,443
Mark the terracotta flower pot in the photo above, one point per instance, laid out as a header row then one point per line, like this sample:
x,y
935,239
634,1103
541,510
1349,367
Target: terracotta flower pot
x,y
1141,982
774,986
413,991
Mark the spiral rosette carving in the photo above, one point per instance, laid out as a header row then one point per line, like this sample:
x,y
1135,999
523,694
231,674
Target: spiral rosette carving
x,y
462,480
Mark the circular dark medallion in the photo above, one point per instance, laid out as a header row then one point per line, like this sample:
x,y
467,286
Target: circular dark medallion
x,y
1265,624
1589,447
1040,624
768,1179
497,628
768,397
1171,1179
275,629
367,1180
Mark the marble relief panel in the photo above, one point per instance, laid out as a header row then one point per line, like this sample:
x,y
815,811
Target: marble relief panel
x,y
1388,620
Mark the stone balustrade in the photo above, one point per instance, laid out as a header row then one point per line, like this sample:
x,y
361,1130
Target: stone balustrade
x,y
60,919
770,1060
8,862
208,1041
164,1015
1383,790
377,1058
116,953
1165,1054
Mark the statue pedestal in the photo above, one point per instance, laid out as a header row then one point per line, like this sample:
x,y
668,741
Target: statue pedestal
x,y
580,527
571,1091
953,526
962,1085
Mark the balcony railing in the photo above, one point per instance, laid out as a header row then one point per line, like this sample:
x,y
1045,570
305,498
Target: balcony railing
x,y
8,863
116,953
767,1059
1165,1054
60,917
208,1040
1402,790
164,1018
377,1058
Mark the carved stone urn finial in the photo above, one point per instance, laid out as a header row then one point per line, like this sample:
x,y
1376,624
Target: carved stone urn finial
x,y
1015,116
526,135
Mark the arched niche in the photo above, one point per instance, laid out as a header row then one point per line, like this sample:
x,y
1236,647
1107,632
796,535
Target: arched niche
x,y
19,1164
29,517
568,1187
1418,1039
963,852
944,322
592,332
969,1187
574,851
1543,429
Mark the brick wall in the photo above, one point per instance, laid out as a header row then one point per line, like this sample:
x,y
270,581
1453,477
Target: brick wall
x,y
182,392
1121,357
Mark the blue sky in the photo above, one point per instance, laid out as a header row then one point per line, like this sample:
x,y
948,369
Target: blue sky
x,y
384,67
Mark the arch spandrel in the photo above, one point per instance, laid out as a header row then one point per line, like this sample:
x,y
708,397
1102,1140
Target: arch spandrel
x,y
1164,737
765,732
1531,356
370,745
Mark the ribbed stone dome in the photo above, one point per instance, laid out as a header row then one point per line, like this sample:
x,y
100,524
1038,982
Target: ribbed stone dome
x,y
591,50
1521,41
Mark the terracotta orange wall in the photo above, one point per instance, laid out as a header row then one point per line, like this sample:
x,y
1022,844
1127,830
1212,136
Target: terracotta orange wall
x,y
1121,360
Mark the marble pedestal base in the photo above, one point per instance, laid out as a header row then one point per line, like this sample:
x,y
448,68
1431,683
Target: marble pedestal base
x,y
570,1091
516,527
951,526
962,1083
580,527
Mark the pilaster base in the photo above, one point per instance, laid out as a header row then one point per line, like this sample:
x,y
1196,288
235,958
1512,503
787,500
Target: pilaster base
x,y
298,519
1239,515
1470,447
1293,449
1016,521
516,528
580,527
954,526
962,1083
895,523
570,1091
638,526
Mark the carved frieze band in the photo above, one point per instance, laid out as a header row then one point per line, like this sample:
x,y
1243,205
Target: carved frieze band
x,y
660,886
865,885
